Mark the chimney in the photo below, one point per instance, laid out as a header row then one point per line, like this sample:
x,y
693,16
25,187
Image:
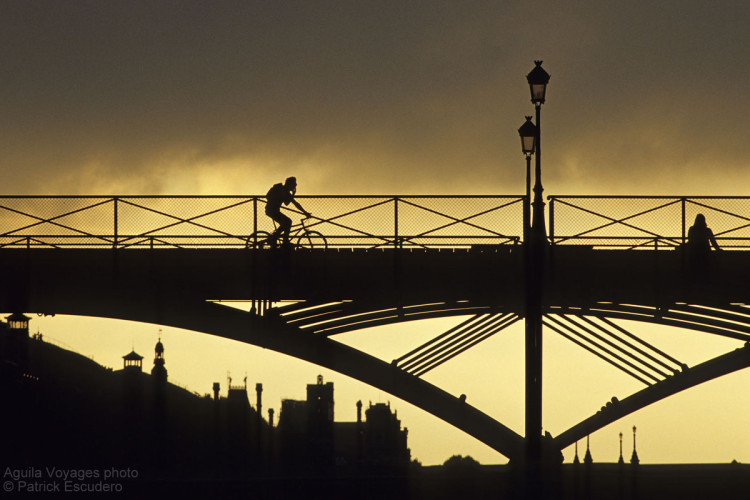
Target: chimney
x,y
359,411
258,392
217,387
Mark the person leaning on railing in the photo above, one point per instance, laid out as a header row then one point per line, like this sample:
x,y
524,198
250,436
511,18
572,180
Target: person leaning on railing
x,y
700,240
700,236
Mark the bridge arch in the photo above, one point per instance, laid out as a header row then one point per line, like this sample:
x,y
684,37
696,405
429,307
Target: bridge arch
x,y
281,331
672,376
215,319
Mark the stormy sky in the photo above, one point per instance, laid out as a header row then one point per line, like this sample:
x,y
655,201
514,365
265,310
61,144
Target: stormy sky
x,y
363,97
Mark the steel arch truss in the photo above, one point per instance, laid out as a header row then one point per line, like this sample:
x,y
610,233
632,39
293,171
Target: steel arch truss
x,y
331,318
690,377
591,328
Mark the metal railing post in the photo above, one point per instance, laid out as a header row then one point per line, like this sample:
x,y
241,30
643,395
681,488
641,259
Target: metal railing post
x,y
255,221
552,220
395,222
116,222
683,219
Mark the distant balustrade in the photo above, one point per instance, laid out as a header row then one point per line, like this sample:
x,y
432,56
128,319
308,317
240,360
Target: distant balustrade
x,y
367,222
646,222
240,222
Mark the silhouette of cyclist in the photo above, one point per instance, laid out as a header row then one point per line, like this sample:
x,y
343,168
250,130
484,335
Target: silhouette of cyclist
x,y
278,194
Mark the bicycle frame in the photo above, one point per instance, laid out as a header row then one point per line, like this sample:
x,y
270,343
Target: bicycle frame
x,y
304,236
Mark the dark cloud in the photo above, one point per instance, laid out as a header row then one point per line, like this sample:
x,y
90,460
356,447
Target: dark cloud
x,y
187,96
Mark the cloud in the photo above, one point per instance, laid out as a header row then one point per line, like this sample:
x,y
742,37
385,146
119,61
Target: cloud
x,y
387,97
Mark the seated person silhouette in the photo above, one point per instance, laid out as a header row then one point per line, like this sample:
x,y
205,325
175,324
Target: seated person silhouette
x,y
278,194
700,241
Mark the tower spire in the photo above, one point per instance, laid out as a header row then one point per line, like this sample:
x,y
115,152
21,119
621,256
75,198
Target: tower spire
x,y
159,371
634,457
587,459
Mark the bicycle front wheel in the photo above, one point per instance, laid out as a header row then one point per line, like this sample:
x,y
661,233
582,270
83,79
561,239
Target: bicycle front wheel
x,y
258,240
312,239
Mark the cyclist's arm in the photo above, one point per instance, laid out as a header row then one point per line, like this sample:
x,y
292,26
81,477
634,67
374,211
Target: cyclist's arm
x,y
299,207
712,239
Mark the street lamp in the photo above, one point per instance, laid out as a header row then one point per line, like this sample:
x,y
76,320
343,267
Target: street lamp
x,y
534,257
538,80
528,133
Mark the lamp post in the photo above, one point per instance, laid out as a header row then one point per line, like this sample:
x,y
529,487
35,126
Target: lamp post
x,y
528,132
538,80
534,268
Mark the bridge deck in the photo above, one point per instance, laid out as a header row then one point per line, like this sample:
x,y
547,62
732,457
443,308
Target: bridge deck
x,y
575,276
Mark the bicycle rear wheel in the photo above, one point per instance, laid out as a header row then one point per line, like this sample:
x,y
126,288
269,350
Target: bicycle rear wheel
x,y
258,240
312,239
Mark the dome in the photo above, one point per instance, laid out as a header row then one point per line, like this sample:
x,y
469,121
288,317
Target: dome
x,y
132,356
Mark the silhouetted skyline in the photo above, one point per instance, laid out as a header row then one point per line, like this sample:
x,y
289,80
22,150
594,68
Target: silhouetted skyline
x,y
127,417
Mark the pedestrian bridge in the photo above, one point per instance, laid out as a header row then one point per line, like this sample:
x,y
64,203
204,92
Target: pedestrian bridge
x,y
376,260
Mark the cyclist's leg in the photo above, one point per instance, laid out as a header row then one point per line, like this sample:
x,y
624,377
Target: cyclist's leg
x,y
273,214
284,223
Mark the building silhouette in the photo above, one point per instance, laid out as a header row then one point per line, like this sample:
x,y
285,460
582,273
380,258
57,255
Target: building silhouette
x,y
159,371
71,411
310,438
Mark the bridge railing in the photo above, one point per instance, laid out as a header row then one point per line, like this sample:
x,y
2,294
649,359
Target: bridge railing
x,y
648,222
233,221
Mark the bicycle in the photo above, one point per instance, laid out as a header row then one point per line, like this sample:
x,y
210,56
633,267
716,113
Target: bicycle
x,y
299,234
